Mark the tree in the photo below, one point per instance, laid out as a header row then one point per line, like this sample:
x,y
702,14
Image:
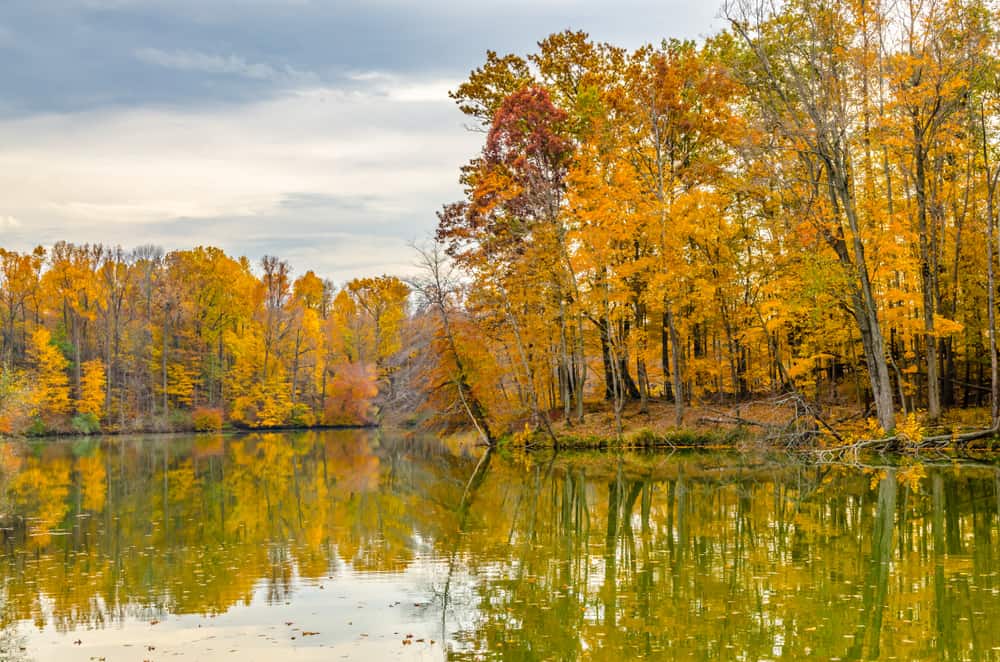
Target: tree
x,y
50,383
92,389
383,301
20,280
931,72
436,288
276,285
798,69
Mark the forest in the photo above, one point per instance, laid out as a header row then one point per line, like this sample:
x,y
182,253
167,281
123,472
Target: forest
x,y
96,338
803,203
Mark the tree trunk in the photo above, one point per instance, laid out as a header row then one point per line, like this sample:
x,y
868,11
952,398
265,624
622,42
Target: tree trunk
x,y
865,309
640,358
580,366
76,355
566,373
668,392
675,356
926,277
163,366
609,377
991,182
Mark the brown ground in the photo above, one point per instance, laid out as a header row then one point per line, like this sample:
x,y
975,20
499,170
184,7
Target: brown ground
x,y
599,420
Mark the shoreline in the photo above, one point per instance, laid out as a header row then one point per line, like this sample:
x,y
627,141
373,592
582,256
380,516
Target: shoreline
x,y
223,431
759,425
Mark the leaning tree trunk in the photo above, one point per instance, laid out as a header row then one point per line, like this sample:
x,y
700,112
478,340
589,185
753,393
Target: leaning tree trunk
x,y
865,308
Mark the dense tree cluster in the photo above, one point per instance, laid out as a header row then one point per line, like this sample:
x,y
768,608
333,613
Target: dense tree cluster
x,y
804,201
93,337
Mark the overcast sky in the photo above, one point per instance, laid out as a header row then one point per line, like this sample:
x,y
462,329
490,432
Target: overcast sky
x,y
319,131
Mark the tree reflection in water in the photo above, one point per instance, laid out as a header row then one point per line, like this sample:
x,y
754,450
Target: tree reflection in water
x,y
521,557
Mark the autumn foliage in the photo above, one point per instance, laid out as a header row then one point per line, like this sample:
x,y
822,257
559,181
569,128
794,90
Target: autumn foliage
x,y
97,337
206,419
802,203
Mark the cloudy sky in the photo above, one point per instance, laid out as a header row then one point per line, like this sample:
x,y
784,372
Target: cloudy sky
x,y
316,130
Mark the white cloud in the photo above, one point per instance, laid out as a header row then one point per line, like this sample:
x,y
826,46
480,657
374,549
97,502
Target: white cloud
x,y
334,180
219,64
9,223
366,76
405,88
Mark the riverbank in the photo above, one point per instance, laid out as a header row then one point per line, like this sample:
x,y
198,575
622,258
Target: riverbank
x,y
186,428
775,422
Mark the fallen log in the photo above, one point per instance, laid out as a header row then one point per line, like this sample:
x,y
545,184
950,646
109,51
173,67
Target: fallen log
x,y
727,419
897,443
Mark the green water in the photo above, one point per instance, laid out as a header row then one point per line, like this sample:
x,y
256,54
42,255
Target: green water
x,y
369,546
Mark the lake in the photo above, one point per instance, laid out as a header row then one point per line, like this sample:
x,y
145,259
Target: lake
x,y
360,544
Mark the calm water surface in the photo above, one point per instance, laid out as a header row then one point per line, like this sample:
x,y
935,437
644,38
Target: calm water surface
x,y
361,545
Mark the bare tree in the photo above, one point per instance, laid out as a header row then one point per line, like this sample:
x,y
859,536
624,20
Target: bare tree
x,y
435,288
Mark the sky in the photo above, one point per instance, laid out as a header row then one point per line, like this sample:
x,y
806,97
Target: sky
x,y
319,131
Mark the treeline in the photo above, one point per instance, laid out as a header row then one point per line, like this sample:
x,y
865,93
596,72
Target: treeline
x,y
806,201
97,338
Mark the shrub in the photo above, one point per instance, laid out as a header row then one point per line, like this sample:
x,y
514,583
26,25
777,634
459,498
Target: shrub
x,y
179,421
86,423
302,416
206,419
37,428
645,437
351,399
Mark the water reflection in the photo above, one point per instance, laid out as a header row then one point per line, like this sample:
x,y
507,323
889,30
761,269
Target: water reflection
x,y
514,557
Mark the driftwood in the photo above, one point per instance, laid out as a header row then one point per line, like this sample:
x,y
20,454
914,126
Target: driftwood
x,y
728,419
902,444
799,430
805,425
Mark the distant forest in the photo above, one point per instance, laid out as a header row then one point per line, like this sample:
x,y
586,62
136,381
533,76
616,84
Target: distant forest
x,y
98,338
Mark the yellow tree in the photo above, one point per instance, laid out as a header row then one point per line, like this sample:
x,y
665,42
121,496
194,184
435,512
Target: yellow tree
x,y
92,389
310,301
71,282
20,276
50,383
383,301
931,71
